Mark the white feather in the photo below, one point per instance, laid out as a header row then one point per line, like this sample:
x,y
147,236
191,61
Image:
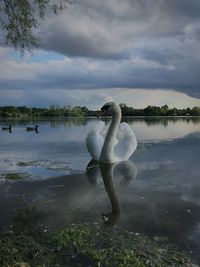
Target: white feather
x,y
123,144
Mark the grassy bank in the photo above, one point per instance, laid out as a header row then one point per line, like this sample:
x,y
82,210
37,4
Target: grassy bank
x,y
87,245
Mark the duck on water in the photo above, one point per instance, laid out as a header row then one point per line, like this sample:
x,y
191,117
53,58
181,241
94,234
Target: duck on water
x,y
9,128
30,129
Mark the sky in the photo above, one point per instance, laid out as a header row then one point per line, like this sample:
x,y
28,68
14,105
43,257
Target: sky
x,y
138,52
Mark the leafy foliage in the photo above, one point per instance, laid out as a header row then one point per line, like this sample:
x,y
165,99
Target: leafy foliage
x,y
77,111
52,111
159,111
20,18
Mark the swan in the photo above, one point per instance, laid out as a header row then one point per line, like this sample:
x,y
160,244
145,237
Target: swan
x,y
117,143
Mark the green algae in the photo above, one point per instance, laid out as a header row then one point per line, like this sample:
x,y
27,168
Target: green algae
x,y
13,176
88,245
102,246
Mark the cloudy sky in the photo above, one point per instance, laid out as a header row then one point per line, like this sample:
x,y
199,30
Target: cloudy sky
x,y
137,52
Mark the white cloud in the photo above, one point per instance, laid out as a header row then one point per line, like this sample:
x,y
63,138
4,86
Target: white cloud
x,y
112,44
94,99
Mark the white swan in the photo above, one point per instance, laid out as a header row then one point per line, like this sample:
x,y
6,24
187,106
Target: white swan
x,y
117,143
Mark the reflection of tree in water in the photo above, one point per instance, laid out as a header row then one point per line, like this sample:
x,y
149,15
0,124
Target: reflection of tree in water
x,y
124,171
68,122
153,120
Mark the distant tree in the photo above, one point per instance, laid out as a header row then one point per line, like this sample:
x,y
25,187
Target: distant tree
x,y
195,111
127,111
19,19
78,111
172,112
84,111
150,111
188,111
166,108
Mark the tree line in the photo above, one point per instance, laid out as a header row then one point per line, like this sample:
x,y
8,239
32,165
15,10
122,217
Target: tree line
x,y
78,111
159,111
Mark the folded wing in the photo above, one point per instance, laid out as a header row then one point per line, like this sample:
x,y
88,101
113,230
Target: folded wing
x,y
127,143
95,139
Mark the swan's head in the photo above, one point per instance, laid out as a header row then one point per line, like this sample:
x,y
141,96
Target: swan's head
x,y
110,108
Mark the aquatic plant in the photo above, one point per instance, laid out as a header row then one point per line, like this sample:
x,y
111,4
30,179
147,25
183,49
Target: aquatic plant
x,y
13,176
88,244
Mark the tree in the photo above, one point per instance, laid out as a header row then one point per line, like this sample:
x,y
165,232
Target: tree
x,y
19,19
172,112
196,111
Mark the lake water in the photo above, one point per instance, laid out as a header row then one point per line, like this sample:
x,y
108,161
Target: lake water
x,y
156,192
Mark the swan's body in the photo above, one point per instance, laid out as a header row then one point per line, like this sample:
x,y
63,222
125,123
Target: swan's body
x,y
117,143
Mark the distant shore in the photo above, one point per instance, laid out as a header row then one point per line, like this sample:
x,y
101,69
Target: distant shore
x,y
78,111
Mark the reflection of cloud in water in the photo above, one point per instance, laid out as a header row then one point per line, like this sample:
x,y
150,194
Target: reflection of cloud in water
x,y
154,165
170,166
166,195
172,130
63,141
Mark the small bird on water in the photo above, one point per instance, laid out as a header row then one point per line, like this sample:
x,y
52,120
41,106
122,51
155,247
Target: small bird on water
x,y
30,129
9,128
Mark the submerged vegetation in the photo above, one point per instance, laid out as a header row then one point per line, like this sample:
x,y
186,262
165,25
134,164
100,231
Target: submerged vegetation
x,y
13,176
87,245
77,111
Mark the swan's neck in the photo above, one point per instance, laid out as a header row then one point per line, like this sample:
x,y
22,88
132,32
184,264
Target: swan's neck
x,y
110,139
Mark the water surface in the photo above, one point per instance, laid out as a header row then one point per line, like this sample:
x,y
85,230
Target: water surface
x,y
156,192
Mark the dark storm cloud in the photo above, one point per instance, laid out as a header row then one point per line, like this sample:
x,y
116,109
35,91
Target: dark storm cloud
x,y
116,44
81,74
108,29
79,45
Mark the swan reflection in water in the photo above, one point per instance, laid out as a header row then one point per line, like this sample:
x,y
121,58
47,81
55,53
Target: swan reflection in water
x,y
123,172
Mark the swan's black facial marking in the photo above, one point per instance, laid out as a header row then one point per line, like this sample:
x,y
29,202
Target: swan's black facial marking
x,y
105,108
